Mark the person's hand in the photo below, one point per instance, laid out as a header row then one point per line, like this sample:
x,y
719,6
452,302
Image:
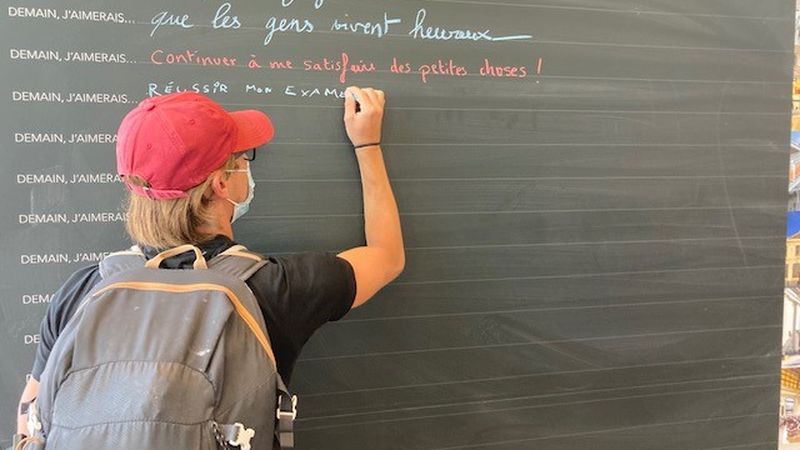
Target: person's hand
x,y
363,124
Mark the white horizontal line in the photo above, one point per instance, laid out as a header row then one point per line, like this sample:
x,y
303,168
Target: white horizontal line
x,y
560,111
537,396
533,343
550,405
539,374
633,79
636,11
483,179
782,146
581,275
565,244
346,320
540,211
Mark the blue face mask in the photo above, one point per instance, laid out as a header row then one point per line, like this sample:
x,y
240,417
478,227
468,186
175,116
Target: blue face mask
x,y
241,208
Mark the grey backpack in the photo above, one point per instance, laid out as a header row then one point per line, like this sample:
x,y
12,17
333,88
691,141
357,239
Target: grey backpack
x,y
165,359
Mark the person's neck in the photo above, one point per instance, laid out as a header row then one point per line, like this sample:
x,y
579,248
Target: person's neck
x,y
220,225
217,230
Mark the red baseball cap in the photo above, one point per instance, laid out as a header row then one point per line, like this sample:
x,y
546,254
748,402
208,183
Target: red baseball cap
x,y
175,141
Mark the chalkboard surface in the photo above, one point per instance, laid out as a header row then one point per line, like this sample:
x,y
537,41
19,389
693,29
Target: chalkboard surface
x,y
592,197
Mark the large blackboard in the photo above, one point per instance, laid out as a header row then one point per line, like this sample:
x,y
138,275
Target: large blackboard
x,y
592,196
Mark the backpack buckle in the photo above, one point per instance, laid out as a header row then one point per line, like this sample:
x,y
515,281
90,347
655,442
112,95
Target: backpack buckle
x,y
243,436
282,413
286,413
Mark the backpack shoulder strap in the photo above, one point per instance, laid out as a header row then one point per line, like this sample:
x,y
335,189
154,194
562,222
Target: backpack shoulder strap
x,y
121,261
238,262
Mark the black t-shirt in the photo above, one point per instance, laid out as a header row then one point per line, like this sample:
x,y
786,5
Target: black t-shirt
x,y
297,293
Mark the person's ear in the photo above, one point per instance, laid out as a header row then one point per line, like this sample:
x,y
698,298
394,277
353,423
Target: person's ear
x,y
220,185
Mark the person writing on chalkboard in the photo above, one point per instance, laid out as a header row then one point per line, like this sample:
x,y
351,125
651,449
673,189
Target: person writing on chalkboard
x,y
186,162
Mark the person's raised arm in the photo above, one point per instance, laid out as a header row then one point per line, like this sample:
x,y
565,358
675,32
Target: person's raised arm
x,y
383,258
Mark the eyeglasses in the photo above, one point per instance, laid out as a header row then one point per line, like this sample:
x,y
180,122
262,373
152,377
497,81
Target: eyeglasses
x,y
249,155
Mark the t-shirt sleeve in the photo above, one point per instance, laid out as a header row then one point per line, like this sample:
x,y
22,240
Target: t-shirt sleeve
x,y
307,290
61,308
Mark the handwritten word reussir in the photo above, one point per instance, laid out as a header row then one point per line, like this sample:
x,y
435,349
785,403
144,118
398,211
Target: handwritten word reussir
x,y
169,87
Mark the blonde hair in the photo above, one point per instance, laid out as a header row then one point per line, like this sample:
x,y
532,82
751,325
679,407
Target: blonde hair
x,y
169,223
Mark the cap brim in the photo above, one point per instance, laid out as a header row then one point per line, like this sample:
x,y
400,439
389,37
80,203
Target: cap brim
x,y
254,129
